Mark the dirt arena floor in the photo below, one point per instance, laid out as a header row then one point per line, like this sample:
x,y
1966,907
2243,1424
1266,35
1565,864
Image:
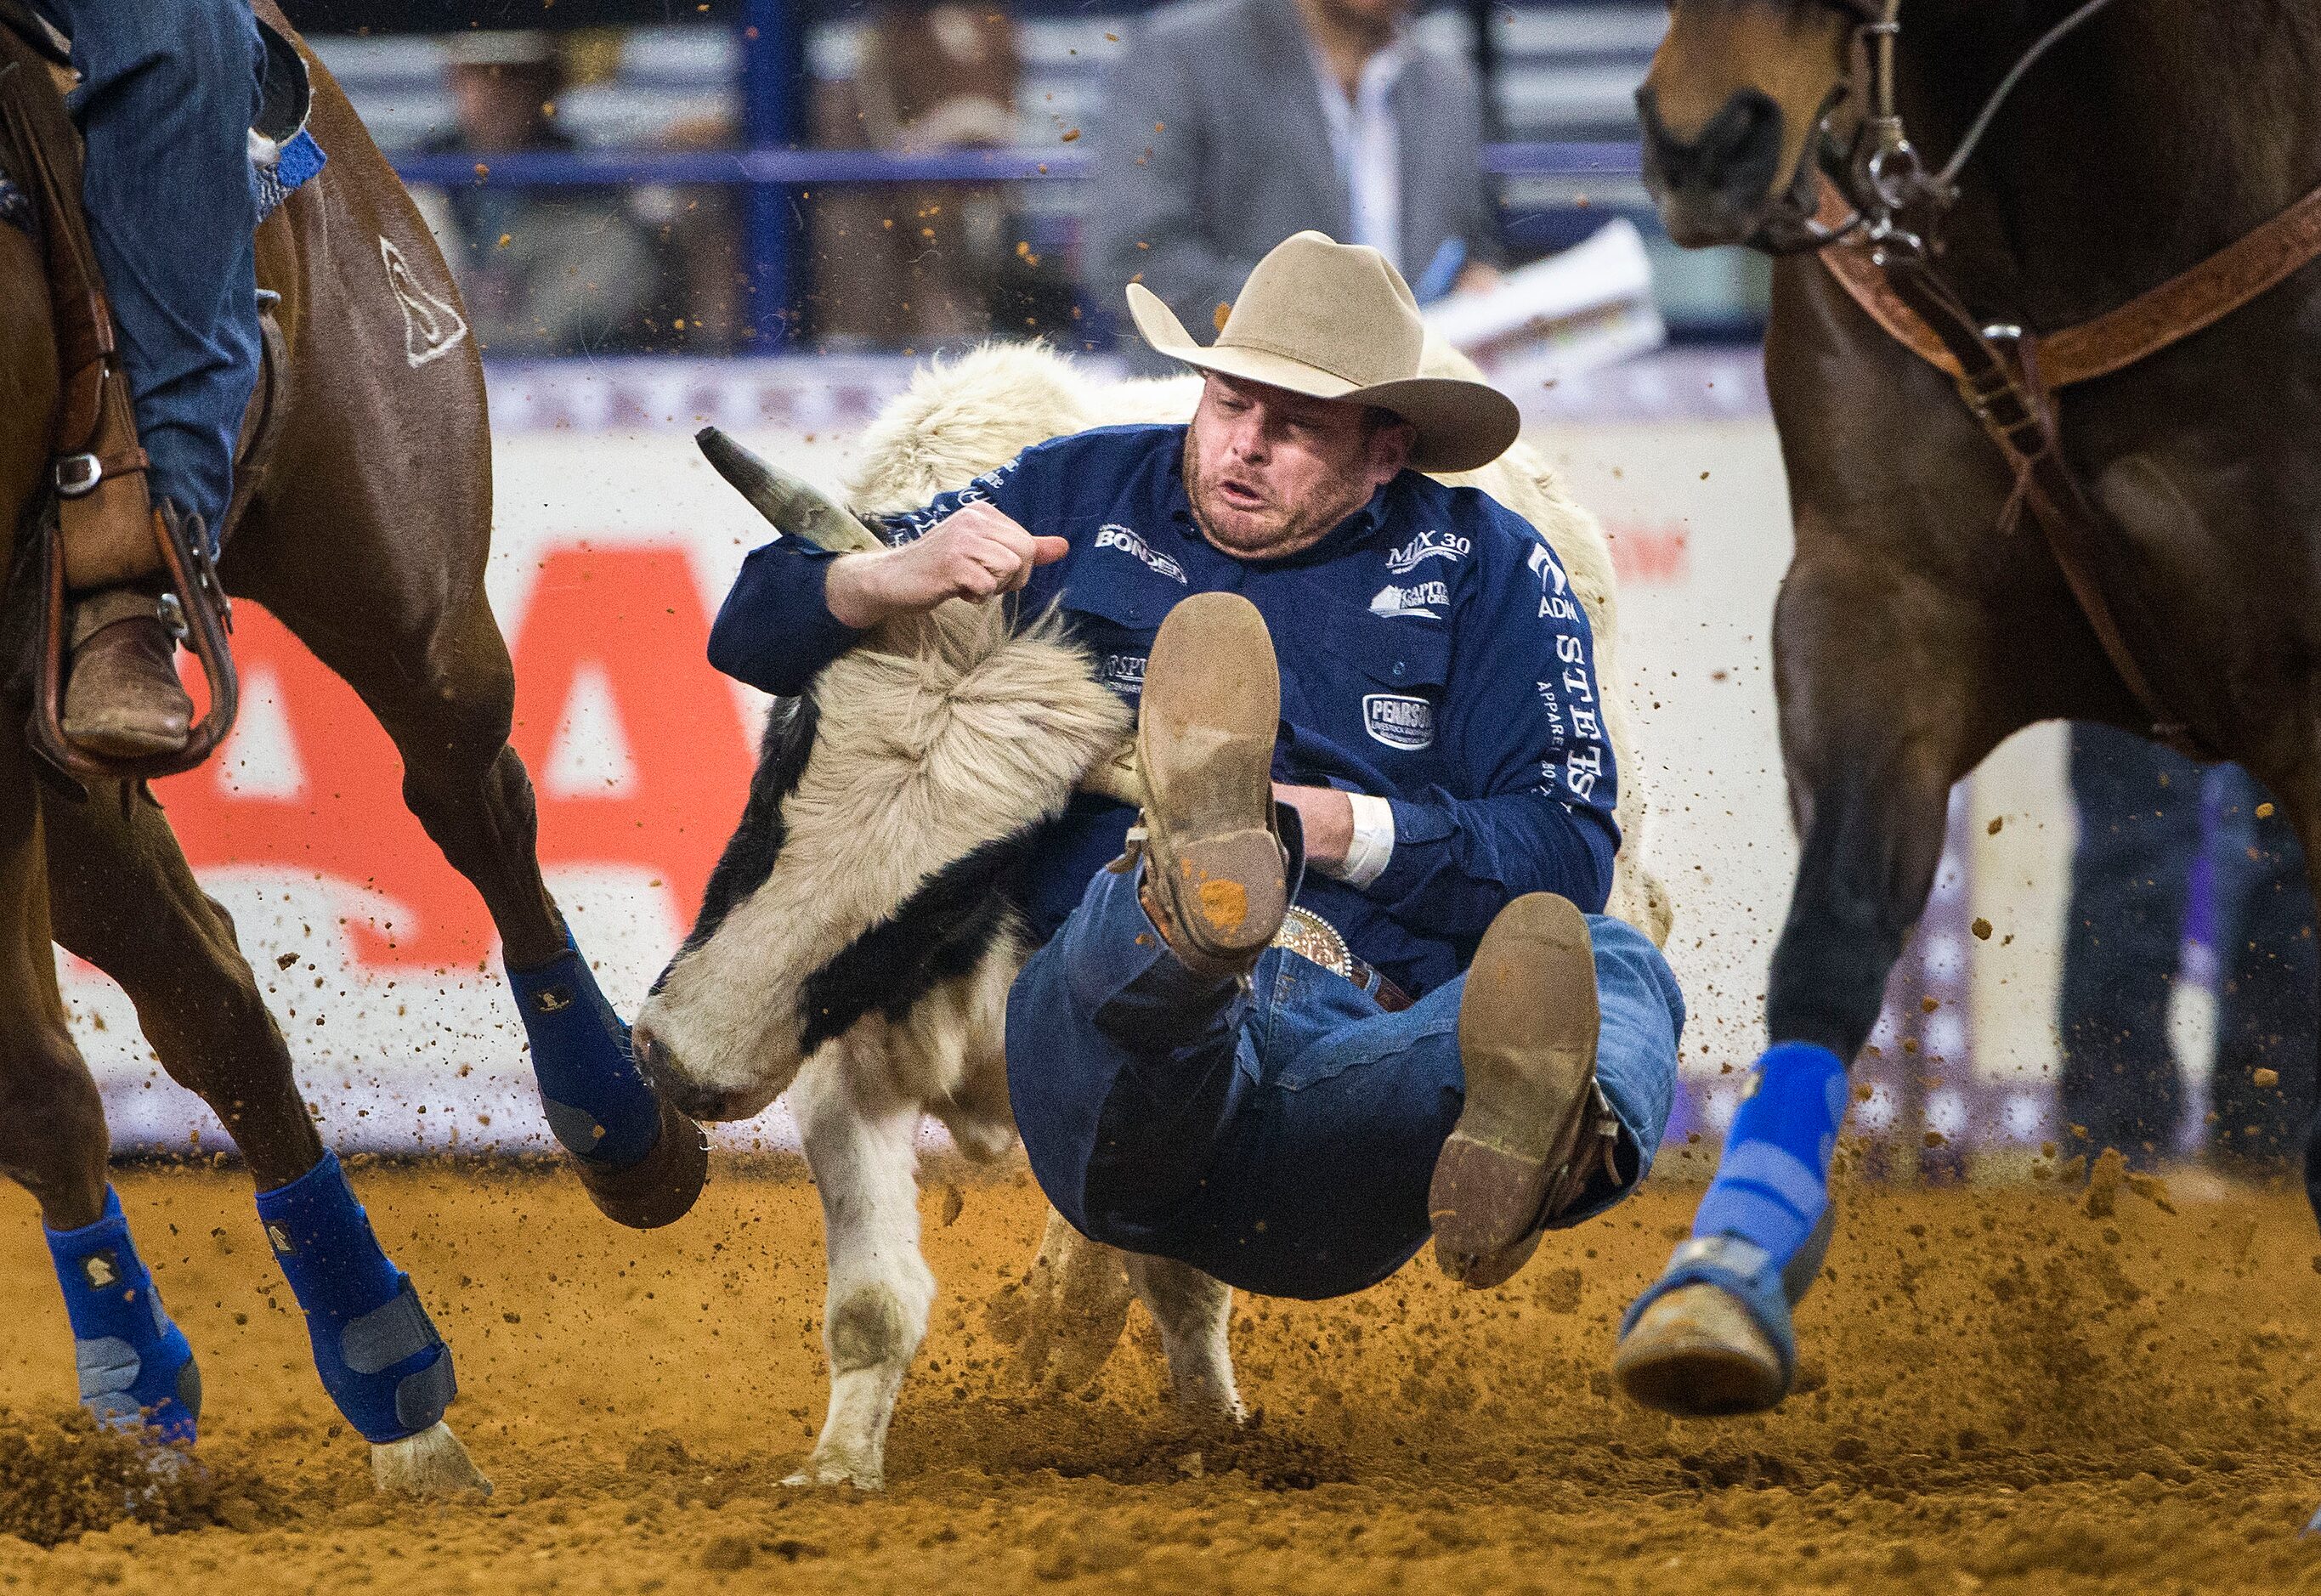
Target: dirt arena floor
x,y
2001,1393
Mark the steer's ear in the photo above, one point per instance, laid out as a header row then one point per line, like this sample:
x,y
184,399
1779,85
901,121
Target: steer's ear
x,y
793,505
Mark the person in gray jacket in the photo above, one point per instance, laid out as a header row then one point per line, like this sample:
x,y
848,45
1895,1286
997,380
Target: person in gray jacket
x,y
1229,124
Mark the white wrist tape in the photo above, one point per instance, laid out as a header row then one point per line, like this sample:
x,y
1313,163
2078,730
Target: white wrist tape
x,y
1373,843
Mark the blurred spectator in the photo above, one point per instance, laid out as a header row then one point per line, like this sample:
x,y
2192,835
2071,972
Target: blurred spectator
x,y
916,266
1230,125
544,271
2158,837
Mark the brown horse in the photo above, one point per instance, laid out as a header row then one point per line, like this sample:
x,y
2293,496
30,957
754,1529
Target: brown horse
x,y
1926,615
366,535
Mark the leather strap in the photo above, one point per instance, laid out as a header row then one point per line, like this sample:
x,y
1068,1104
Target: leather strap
x,y
2003,382
2121,337
2008,378
104,513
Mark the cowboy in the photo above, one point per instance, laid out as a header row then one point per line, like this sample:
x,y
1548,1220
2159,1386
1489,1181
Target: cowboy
x,y
166,98
1342,983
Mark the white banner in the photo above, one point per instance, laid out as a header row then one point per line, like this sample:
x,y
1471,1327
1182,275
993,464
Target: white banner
x,y
612,547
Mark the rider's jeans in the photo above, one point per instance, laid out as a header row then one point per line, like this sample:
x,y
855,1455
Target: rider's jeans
x,y
168,90
1278,1134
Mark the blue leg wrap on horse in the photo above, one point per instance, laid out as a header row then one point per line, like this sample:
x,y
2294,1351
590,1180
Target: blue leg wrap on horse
x,y
597,1099
1761,1231
1772,1184
375,1348
133,1359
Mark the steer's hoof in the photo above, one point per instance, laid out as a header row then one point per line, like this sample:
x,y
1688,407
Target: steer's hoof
x,y
831,1471
1697,1353
660,1188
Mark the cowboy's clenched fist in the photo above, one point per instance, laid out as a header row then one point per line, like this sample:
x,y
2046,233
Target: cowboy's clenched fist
x,y
975,553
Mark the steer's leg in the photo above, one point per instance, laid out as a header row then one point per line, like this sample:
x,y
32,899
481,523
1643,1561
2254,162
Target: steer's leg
x,y
1193,1311
860,1150
1077,1306
1890,691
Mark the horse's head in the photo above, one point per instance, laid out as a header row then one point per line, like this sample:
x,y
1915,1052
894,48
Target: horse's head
x,y
1730,107
890,810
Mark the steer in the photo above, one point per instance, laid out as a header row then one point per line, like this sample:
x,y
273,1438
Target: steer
x,y
858,938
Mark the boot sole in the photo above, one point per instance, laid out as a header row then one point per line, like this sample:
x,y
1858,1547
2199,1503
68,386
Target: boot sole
x,y
1527,1033
1697,1354
1211,711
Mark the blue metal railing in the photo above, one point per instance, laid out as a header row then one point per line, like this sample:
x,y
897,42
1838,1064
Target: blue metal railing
x,y
777,177
804,168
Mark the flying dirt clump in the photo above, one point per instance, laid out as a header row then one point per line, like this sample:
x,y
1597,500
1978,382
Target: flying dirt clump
x,y
62,1476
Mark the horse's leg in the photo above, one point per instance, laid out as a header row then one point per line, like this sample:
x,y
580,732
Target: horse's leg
x,y
880,1288
367,536
125,901
130,1356
1193,1312
444,690
1888,696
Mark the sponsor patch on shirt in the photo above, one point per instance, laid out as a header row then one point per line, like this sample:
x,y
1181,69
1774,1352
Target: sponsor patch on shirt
x,y
1113,535
1428,545
1420,598
1398,721
1124,673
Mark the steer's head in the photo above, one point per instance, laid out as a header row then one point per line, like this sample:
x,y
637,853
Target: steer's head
x,y
891,808
1730,107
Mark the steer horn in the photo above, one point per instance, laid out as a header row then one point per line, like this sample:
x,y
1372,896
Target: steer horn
x,y
792,505
797,509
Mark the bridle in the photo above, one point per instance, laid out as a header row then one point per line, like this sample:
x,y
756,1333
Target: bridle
x,y
1872,212
1883,175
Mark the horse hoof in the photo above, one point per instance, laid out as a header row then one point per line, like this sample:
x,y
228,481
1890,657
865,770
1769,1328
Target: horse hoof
x,y
431,1462
660,1188
1697,1354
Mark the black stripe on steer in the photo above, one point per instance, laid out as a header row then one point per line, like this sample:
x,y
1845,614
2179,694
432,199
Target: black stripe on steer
x,y
750,852
939,935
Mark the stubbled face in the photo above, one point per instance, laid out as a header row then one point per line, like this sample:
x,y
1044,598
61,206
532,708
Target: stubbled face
x,y
1730,106
1269,472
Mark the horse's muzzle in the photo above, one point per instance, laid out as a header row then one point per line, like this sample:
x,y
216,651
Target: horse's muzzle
x,y
1713,189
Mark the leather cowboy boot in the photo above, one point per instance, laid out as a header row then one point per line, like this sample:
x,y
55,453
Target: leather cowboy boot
x,y
122,698
1536,1127
1215,870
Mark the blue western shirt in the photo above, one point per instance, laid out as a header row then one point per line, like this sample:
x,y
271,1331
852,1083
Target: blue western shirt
x,y
1431,654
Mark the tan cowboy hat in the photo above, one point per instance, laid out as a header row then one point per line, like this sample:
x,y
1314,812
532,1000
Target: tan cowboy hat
x,y
1337,322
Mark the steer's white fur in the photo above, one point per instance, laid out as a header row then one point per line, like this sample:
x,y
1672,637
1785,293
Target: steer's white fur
x,y
939,735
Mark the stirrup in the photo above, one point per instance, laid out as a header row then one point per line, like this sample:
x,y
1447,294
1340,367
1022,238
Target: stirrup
x,y
191,572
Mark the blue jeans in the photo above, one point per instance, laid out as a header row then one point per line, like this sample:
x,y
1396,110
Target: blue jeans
x,y
2146,817
168,88
1278,1134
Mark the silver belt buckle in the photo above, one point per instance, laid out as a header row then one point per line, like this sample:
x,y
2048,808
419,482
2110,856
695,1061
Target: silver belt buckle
x,y
1313,938
79,474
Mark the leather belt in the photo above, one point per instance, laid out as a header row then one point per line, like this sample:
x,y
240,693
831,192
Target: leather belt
x,y
1315,940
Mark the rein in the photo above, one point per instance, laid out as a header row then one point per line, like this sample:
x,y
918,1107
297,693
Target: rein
x,y
2006,374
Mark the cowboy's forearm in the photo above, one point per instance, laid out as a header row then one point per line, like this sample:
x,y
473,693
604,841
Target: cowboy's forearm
x,y
1458,863
1326,816
775,630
